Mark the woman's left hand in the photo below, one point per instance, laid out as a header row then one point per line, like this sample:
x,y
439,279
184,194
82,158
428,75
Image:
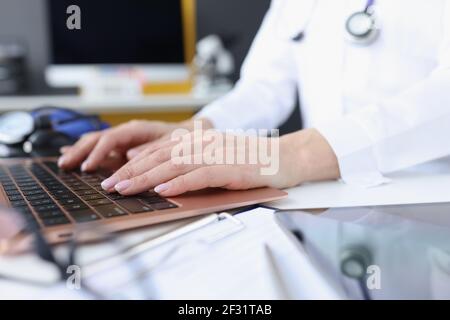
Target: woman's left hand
x,y
202,160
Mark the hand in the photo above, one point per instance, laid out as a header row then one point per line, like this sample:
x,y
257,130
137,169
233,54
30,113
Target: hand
x,y
95,147
10,224
289,160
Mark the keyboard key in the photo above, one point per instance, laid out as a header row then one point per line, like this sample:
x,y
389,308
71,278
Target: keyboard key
x,y
51,214
15,198
111,211
46,207
29,188
86,192
164,205
9,187
114,196
79,187
49,222
93,197
63,196
148,194
33,192
84,215
13,192
134,205
20,203
75,207
38,197
99,202
60,192
70,201
153,200
42,202
23,185
51,182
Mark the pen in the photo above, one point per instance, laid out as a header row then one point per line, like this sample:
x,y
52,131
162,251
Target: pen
x,y
279,280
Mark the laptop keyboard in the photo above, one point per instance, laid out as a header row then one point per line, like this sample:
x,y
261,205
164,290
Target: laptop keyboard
x,y
51,197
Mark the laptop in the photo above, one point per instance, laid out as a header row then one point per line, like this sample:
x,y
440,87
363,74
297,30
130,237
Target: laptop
x,y
57,201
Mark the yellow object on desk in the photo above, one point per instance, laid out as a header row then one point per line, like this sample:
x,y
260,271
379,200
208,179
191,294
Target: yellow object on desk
x,y
117,118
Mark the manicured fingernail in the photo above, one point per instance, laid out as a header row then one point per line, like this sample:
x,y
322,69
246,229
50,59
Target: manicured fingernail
x,y
122,185
109,183
162,187
61,161
132,153
84,166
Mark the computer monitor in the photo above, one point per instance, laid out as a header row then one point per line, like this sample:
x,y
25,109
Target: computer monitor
x,y
153,35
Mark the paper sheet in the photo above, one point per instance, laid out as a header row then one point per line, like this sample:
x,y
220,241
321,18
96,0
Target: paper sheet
x,y
233,268
427,183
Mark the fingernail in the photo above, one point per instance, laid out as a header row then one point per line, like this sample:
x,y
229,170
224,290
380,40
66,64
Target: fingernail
x,y
161,188
109,183
61,161
132,153
84,166
122,185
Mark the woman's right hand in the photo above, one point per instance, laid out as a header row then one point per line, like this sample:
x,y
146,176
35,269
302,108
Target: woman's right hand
x,y
95,147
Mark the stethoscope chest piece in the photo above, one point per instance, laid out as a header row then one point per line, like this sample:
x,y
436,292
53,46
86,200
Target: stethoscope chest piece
x,y
361,28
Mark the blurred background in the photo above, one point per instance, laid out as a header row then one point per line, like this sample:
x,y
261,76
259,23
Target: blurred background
x,y
26,47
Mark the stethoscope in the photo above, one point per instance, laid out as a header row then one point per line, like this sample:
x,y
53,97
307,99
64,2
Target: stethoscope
x,y
360,27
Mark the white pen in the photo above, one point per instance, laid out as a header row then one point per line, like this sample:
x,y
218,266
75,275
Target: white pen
x,y
278,280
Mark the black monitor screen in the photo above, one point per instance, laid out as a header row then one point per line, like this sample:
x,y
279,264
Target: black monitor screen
x,y
117,32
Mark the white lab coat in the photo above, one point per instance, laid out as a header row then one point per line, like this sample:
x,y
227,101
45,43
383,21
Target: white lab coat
x,y
382,107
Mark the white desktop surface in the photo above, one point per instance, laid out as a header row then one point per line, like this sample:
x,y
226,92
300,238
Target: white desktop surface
x,y
428,183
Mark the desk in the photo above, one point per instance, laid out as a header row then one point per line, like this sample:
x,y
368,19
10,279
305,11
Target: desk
x,y
411,186
169,107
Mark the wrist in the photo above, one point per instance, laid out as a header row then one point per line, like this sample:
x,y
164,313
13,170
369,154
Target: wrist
x,y
192,123
314,159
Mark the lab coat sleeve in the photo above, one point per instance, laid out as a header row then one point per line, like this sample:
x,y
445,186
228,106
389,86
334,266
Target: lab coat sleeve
x,y
408,129
264,96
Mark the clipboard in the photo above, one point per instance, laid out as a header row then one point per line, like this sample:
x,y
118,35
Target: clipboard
x,y
205,232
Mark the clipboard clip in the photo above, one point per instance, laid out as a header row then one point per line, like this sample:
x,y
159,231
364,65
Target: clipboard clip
x,y
235,225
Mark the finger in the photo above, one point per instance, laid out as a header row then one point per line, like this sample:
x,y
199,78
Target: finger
x,y
135,151
136,168
148,180
139,153
79,151
163,142
151,146
201,178
64,149
184,146
127,135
